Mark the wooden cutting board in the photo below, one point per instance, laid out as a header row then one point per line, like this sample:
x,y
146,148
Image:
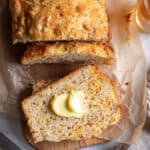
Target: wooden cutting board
x,y
65,145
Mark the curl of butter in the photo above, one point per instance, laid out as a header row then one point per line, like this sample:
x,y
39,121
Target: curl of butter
x,y
68,104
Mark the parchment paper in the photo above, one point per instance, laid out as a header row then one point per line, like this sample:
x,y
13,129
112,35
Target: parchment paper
x,y
129,70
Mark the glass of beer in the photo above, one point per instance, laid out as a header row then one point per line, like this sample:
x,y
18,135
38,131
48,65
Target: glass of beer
x,y
142,15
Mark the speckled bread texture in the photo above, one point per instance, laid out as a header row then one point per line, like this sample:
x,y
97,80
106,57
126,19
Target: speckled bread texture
x,y
44,20
101,100
39,85
67,52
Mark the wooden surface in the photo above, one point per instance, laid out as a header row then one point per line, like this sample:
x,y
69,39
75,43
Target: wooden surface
x,y
65,145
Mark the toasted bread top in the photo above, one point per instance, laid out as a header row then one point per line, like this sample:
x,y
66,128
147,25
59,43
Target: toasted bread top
x,y
48,20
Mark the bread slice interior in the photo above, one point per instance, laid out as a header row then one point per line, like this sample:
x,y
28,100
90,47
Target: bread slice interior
x,y
101,101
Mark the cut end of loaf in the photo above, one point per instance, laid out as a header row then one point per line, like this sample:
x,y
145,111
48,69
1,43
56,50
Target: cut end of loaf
x,y
101,97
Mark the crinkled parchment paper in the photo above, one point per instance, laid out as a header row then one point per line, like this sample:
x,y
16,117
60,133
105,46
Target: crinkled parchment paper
x,y
129,71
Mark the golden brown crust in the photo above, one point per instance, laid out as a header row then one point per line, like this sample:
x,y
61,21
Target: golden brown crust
x,y
40,51
115,114
44,20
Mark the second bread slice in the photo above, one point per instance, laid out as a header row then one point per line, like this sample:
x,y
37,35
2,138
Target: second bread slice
x,y
101,98
67,52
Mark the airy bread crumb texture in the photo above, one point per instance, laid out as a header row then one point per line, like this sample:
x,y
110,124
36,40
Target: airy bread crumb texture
x,y
101,100
49,20
67,52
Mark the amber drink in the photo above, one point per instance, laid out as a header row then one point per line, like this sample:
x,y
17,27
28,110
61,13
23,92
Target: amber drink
x,y
142,15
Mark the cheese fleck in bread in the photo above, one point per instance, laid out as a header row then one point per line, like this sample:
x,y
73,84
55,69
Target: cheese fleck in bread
x,y
51,20
67,52
101,99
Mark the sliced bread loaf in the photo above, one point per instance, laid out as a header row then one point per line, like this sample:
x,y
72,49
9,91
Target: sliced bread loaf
x,y
101,99
67,52
51,20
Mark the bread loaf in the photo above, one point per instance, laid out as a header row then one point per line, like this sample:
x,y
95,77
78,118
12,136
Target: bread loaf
x,y
51,20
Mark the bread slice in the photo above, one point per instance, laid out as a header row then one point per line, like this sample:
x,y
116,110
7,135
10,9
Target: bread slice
x,y
101,100
39,85
51,20
67,52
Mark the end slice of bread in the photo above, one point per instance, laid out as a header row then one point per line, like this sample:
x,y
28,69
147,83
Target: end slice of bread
x,y
67,52
101,99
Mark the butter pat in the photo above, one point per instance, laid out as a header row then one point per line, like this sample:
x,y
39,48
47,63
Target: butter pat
x,y
59,107
75,101
68,105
